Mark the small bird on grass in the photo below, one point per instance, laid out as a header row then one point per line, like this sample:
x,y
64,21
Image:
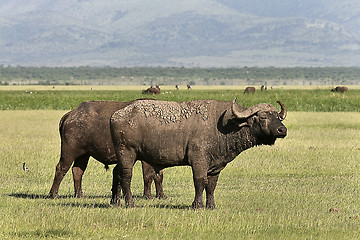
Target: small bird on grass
x,y
25,168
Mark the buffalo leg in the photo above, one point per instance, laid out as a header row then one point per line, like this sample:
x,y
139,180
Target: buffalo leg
x,y
78,170
200,181
126,160
61,169
158,179
125,181
149,174
210,188
116,187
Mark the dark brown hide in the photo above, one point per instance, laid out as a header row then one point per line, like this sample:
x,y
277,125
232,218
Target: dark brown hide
x,y
340,89
85,132
204,134
152,90
249,90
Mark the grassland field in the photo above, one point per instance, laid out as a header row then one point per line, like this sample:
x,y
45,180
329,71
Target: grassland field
x,y
283,191
314,99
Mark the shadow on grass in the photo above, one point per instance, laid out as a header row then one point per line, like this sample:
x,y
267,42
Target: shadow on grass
x,y
46,196
108,205
170,206
30,196
86,205
98,205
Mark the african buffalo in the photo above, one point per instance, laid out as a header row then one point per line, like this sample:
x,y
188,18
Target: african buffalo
x,y
249,90
85,132
152,90
340,89
204,134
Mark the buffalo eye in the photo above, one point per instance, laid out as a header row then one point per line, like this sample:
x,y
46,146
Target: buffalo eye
x,y
263,116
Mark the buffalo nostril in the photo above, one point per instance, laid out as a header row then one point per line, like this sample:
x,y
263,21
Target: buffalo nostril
x,y
282,130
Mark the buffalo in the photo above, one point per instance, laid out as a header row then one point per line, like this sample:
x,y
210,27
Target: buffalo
x,y
152,90
85,132
204,134
340,89
249,90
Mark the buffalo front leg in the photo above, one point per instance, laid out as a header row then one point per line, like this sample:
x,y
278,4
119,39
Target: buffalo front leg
x,y
78,170
200,181
210,188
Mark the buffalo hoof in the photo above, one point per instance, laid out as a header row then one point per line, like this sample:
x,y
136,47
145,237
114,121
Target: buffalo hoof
x,y
161,196
147,196
53,195
210,207
79,194
115,202
129,203
197,205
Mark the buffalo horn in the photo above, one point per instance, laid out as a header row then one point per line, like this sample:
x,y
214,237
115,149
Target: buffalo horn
x,y
254,109
283,112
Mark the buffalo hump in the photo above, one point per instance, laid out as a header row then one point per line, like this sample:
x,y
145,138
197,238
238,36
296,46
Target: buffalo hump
x,y
165,112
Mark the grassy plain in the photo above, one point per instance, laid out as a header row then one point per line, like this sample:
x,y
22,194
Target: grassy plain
x,y
284,191
315,99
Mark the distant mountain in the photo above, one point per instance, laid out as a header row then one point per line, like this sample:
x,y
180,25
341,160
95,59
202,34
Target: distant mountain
x,y
205,33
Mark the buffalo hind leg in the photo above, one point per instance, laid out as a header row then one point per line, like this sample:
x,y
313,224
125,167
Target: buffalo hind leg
x,y
126,160
149,174
61,169
210,188
78,170
116,187
158,179
125,181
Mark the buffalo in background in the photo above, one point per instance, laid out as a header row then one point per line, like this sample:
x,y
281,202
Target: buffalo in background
x,y
85,132
203,134
340,89
152,90
249,90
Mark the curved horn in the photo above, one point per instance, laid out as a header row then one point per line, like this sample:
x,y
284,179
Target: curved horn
x,y
250,111
283,112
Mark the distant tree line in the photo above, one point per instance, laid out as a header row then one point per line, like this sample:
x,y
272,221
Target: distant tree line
x,y
171,75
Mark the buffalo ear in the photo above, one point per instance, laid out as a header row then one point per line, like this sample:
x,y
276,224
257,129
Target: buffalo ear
x,y
226,117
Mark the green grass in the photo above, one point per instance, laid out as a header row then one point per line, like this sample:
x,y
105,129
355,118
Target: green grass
x,y
306,100
280,192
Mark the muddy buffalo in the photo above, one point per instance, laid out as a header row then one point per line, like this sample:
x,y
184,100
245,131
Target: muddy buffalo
x,y
249,90
340,89
85,132
152,90
204,134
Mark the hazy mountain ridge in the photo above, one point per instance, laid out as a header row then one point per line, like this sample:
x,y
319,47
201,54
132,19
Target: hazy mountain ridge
x,y
189,33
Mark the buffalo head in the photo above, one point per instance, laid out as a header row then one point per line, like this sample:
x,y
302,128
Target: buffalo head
x,y
263,119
